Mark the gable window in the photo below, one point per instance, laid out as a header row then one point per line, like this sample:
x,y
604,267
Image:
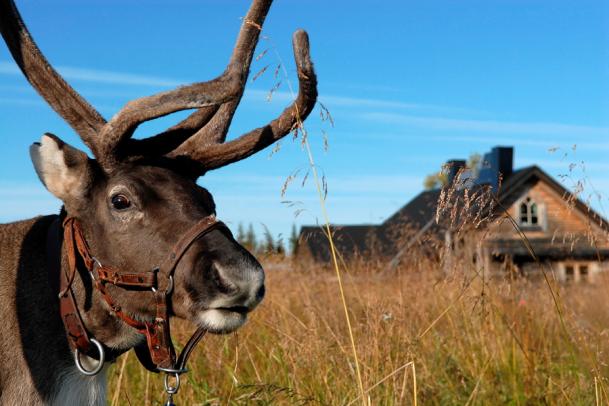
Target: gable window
x,y
529,213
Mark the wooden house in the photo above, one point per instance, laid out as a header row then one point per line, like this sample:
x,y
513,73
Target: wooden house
x,y
501,219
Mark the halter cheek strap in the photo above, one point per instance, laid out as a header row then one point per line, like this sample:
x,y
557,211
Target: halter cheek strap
x,y
158,354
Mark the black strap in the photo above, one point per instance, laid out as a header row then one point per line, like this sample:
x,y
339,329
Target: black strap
x,y
190,345
143,353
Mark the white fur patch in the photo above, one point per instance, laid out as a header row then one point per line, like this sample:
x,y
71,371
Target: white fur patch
x,y
75,388
221,321
52,170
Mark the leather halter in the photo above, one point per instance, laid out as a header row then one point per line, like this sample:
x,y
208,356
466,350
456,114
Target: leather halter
x,y
158,354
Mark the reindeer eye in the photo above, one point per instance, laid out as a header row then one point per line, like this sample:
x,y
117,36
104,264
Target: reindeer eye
x,y
120,202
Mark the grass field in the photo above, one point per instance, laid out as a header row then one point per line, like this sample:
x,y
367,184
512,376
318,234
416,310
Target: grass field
x,y
421,338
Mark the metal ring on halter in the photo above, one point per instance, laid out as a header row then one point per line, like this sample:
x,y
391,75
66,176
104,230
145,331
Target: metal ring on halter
x,y
173,371
172,390
100,361
169,286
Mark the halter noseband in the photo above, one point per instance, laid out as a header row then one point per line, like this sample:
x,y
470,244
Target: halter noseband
x,y
158,355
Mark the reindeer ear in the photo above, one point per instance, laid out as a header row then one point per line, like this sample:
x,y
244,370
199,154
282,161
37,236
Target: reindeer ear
x,y
64,170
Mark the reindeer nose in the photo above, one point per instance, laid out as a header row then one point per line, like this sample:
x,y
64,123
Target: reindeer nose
x,y
221,283
242,285
260,293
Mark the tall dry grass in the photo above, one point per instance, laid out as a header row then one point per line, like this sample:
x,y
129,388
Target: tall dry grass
x,y
470,342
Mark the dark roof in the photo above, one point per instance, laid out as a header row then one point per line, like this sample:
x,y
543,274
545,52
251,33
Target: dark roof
x,y
417,212
353,240
349,240
422,208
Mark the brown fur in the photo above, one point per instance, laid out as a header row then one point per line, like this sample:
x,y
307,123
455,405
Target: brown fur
x,y
32,344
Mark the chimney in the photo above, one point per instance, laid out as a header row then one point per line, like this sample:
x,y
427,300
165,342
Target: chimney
x,y
452,168
498,163
505,159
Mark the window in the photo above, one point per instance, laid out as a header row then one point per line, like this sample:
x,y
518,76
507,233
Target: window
x,y
578,272
583,273
529,213
569,273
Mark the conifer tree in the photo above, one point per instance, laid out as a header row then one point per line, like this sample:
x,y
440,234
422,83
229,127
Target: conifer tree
x,y
269,243
293,241
240,234
250,239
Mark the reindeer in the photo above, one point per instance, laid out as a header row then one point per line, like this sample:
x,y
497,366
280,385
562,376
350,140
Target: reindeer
x,y
136,241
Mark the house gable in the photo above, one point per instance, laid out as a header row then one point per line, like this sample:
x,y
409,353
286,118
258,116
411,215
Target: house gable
x,y
561,214
568,235
557,216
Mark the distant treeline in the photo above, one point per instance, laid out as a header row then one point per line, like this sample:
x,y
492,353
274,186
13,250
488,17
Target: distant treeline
x,y
266,244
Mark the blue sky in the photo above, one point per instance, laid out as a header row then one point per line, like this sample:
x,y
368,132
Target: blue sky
x,y
409,85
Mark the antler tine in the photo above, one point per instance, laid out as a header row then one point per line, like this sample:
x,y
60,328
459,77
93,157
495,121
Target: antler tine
x,y
215,127
242,56
217,155
79,114
225,90
165,142
120,128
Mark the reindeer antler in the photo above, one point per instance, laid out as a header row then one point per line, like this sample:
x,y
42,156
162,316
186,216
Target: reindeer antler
x,y
210,124
199,138
218,154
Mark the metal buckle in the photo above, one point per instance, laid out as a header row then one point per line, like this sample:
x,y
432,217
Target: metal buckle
x,y
100,361
93,272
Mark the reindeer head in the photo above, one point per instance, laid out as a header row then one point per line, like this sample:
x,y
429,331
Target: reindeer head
x,y
137,197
